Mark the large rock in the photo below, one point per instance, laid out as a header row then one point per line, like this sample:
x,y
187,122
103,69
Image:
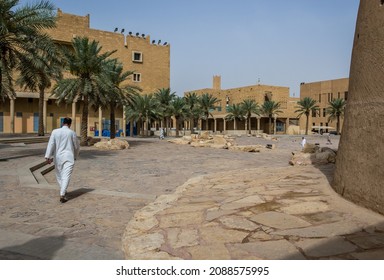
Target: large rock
x,y
112,144
321,156
359,169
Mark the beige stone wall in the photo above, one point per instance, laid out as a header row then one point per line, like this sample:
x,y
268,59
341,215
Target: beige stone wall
x,y
323,92
359,167
155,66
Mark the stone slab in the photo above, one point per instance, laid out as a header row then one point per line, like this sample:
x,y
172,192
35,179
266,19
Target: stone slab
x,y
324,247
279,220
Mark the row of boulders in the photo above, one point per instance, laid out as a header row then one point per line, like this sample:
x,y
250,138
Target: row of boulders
x,y
204,139
313,154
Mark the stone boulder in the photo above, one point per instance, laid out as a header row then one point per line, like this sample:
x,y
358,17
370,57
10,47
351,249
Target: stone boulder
x,y
310,148
185,140
246,148
112,144
321,156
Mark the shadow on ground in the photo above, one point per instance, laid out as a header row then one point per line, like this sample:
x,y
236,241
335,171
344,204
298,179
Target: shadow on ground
x,y
43,248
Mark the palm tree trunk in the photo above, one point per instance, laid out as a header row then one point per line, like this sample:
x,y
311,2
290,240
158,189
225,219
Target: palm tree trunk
x,y
41,112
338,124
270,125
177,127
84,123
307,124
249,125
234,124
113,121
131,127
206,125
192,124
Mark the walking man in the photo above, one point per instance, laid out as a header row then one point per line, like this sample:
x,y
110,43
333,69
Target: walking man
x,y
63,149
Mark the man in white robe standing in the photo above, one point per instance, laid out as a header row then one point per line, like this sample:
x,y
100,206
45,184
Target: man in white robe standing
x,y
63,149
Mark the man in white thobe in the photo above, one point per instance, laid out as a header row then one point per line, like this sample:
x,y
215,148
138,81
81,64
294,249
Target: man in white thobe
x,y
63,149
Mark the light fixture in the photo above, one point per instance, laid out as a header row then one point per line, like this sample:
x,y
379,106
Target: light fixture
x,y
116,29
122,30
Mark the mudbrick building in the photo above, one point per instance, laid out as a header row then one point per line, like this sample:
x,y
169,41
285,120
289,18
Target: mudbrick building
x,y
324,92
149,60
283,123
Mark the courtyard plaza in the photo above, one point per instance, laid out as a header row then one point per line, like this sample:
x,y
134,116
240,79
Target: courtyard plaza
x,y
159,200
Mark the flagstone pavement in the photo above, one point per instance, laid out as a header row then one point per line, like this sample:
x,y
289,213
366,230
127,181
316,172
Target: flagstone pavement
x,y
159,200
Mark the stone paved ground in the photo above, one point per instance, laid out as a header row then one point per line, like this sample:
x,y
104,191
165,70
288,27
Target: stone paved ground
x,y
197,203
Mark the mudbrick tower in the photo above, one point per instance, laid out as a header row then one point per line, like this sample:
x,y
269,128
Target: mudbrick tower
x,y
359,174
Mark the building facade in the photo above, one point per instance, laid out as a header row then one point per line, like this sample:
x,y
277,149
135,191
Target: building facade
x,y
149,60
324,92
283,123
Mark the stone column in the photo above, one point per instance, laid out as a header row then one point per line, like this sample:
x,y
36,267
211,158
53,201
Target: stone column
x,y
12,114
214,124
45,114
286,125
100,122
359,165
225,124
73,126
258,122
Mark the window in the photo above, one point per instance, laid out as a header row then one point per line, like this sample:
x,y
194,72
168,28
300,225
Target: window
x,y
319,97
345,95
338,95
313,113
137,56
137,77
324,112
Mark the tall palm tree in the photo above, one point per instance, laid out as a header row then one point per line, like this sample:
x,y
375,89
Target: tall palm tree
x,y
179,110
118,95
22,38
235,112
250,106
270,108
165,96
306,106
89,79
336,111
192,101
207,103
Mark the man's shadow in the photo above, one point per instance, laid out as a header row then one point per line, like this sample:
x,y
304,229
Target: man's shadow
x,y
78,192
42,248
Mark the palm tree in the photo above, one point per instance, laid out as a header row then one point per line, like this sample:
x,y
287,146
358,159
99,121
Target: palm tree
x,y
336,111
118,94
235,112
192,101
207,103
306,106
143,109
165,96
37,75
250,106
270,108
22,38
179,110
89,80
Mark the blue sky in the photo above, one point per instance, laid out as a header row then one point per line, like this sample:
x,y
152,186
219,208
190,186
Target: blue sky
x,y
280,42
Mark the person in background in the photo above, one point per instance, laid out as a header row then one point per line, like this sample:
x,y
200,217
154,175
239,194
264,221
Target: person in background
x,y
63,149
303,142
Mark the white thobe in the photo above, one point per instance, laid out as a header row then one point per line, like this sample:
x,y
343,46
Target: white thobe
x,y
63,147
